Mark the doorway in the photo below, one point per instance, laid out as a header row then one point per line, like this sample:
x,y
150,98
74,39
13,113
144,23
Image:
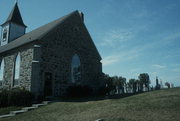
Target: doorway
x,y
48,84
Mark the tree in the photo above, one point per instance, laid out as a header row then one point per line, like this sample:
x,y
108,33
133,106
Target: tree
x,y
109,83
123,82
119,82
157,87
144,80
133,83
138,85
128,86
167,84
116,83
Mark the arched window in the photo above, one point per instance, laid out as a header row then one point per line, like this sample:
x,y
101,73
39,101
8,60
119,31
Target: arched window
x,y
75,69
17,69
2,70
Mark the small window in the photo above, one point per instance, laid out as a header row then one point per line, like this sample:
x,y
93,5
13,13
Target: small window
x,y
75,69
4,34
2,70
17,69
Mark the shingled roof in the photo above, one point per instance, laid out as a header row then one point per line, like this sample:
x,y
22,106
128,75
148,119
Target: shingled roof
x,y
35,34
15,16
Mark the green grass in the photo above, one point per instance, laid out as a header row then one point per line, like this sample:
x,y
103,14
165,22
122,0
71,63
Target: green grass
x,y
163,105
6,110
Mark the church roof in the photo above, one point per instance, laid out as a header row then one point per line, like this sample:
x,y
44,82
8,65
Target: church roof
x,y
35,34
15,16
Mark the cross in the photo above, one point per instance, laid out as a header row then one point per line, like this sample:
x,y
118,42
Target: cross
x,y
16,1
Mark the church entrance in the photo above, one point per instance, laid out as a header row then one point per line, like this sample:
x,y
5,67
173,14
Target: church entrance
x,y
48,84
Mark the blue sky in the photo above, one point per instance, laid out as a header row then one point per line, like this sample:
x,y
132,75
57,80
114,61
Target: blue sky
x,y
132,36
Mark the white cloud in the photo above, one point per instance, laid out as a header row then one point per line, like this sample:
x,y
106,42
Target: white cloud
x,y
173,36
135,69
115,37
110,60
120,57
175,64
134,52
154,73
158,66
176,70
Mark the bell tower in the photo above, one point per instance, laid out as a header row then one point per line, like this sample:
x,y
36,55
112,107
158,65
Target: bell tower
x,y
14,26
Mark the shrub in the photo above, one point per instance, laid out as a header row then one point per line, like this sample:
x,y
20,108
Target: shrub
x,y
3,98
79,91
39,99
15,97
102,91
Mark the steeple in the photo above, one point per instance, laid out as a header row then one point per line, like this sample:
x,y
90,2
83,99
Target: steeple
x,y
15,16
13,27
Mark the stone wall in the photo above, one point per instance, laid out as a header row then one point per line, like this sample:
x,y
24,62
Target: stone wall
x,y
60,45
26,55
53,54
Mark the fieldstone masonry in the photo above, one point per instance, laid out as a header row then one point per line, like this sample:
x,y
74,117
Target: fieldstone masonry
x,y
58,48
49,50
24,80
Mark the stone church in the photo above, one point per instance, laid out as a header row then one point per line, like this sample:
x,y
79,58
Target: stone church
x,y
49,59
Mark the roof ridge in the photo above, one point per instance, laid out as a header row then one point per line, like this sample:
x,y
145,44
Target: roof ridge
x,y
35,34
59,21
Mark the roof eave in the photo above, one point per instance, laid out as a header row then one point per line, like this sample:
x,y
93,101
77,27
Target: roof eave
x,y
6,51
13,22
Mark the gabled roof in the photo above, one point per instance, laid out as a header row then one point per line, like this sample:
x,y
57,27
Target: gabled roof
x,y
35,34
15,16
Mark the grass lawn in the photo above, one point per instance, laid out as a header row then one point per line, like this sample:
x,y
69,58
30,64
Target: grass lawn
x,y
6,110
163,105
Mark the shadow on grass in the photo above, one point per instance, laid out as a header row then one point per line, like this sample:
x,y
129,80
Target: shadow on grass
x,y
6,110
95,98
